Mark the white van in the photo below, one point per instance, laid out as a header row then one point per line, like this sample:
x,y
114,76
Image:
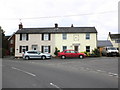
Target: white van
x,y
110,51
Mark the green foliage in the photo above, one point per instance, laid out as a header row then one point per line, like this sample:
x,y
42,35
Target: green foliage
x,y
56,51
87,53
95,52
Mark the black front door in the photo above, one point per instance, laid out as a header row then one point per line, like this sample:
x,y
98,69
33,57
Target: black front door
x,y
76,48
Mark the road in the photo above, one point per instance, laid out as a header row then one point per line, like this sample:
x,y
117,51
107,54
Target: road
x,y
57,73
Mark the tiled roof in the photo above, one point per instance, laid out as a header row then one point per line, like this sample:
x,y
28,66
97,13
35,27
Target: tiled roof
x,y
104,43
115,36
58,30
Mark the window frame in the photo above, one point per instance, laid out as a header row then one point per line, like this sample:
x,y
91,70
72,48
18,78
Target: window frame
x,y
87,48
64,36
43,49
24,37
87,36
63,48
23,49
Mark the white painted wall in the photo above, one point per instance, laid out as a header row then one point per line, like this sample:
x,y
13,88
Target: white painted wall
x,y
34,39
59,42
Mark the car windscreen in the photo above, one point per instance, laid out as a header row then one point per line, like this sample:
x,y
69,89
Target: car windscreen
x,y
32,52
112,49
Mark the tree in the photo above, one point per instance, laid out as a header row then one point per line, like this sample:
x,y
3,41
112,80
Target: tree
x,y
2,35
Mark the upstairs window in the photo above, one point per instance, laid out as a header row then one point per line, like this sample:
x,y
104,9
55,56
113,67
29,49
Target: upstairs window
x,y
11,41
87,36
64,36
23,37
117,41
46,36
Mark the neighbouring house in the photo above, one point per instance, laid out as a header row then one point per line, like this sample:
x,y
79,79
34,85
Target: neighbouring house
x,y
103,43
115,40
46,39
11,44
5,45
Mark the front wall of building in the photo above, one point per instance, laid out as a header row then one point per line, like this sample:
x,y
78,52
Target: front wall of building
x,y
73,39
76,39
34,39
113,42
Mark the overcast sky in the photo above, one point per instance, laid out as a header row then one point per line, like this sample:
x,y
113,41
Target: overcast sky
x,y
102,14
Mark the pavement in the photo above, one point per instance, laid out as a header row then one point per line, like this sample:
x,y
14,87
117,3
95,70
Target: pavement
x,y
101,72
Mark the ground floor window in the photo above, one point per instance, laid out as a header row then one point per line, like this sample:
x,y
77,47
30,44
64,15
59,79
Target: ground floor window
x,y
46,49
64,48
23,49
87,48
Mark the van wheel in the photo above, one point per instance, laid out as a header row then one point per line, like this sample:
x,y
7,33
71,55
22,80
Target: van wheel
x,y
43,57
81,56
27,58
63,57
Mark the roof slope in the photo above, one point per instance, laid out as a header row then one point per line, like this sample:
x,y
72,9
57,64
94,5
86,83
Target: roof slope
x,y
58,30
104,43
115,36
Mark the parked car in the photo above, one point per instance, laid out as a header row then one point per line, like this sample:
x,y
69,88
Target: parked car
x,y
71,53
110,51
35,55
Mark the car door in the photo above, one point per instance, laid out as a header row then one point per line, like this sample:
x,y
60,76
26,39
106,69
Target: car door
x,y
74,54
67,53
39,54
34,54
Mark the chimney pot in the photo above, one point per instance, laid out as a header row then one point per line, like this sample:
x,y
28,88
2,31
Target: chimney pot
x,y
56,25
20,26
72,25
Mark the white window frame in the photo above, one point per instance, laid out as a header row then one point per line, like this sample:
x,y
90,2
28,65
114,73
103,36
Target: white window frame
x,y
46,36
64,36
23,48
64,47
87,49
46,49
87,36
11,41
24,36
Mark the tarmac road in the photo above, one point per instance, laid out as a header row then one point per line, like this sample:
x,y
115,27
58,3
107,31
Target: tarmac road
x,y
57,73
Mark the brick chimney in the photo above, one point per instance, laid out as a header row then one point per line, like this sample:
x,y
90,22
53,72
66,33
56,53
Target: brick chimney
x,y
20,26
56,25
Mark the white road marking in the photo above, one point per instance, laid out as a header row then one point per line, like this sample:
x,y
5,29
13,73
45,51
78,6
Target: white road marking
x,y
113,74
24,71
55,86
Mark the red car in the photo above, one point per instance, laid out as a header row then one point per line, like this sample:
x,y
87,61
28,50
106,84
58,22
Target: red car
x,y
71,53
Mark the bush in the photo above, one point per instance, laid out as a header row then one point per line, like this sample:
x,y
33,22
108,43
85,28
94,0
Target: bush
x,y
87,53
56,51
95,52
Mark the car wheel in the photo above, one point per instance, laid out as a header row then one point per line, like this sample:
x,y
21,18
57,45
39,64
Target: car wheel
x,y
81,56
43,57
63,57
27,58
108,54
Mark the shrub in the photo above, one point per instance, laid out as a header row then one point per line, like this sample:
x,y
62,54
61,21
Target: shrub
x,y
95,52
56,51
87,53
